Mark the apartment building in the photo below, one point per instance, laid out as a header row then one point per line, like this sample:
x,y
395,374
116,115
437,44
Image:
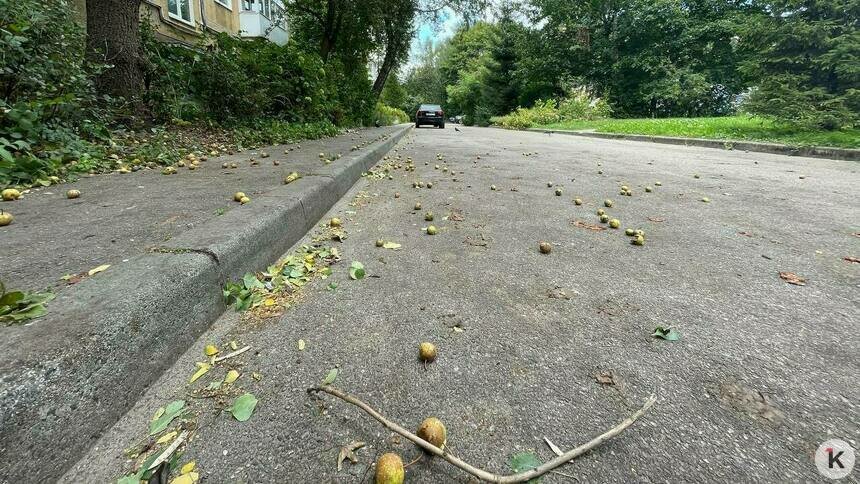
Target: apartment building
x,y
185,21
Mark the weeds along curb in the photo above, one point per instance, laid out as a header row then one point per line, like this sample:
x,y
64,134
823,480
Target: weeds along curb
x,y
69,376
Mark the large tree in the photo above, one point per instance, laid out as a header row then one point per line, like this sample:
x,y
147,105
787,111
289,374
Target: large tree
x,y
113,39
805,62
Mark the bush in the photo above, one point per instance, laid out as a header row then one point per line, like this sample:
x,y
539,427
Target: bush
x,y
48,97
386,115
578,105
234,81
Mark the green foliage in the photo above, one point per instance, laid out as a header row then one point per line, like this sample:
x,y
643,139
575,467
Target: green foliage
x,y
245,294
578,105
805,57
725,127
237,81
48,97
17,307
387,115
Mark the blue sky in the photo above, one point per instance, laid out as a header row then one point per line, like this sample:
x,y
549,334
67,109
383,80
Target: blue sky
x,y
444,29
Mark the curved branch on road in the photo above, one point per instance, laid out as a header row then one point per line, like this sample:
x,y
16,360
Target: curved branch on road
x,y
480,473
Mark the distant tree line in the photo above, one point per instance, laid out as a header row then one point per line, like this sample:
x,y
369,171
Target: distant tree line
x,y
795,60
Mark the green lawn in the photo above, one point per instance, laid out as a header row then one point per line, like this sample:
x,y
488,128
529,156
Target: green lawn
x,y
728,128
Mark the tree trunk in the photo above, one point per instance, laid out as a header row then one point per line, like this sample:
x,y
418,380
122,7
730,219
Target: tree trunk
x,y
113,38
385,69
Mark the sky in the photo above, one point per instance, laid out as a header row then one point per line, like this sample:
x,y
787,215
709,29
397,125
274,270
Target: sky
x,y
447,25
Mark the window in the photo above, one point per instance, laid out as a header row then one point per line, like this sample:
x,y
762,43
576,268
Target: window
x,y
228,4
180,9
266,8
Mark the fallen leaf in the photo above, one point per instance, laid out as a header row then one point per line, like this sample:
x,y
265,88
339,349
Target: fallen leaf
x,y
391,245
183,479
98,269
171,411
301,345
456,216
356,271
256,376
851,259
158,414
552,446
667,333
210,350
523,461
584,225
243,407
792,278
348,452
166,437
234,345
656,219
232,376
330,377
202,368
188,467
605,377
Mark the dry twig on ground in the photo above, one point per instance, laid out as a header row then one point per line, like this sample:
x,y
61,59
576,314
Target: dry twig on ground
x,y
480,473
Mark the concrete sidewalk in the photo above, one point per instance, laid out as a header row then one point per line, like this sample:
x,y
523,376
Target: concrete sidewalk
x,y
172,242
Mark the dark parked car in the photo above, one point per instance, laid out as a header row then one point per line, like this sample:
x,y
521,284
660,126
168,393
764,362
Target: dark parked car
x,y
430,114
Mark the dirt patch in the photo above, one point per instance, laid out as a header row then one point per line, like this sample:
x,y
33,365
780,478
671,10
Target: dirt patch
x,y
751,402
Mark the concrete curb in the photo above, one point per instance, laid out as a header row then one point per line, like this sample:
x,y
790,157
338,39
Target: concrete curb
x,y
71,375
774,148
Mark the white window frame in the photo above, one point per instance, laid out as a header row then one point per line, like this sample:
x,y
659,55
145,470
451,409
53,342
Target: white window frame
x,y
178,15
228,4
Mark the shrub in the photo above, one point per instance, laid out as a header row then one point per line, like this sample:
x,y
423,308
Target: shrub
x,y
48,96
387,115
579,104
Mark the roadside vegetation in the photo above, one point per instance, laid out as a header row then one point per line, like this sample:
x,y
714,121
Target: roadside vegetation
x,y
746,128
776,71
63,112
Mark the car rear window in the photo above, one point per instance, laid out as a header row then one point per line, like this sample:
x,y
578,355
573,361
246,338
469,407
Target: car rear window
x,y
430,107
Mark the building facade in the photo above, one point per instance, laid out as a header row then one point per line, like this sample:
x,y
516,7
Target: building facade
x,y
185,21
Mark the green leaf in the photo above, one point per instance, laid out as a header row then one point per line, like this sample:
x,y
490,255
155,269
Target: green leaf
x,y
524,461
667,333
356,271
243,407
332,286
172,411
330,377
251,282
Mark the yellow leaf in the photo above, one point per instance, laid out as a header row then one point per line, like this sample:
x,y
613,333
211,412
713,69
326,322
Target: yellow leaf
x,y
232,375
233,345
98,269
211,350
301,345
166,438
256,376
194,476
391,245
183,479
187,468
269,302
202,369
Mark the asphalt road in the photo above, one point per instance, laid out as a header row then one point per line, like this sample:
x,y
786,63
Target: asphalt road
x,y
764,371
